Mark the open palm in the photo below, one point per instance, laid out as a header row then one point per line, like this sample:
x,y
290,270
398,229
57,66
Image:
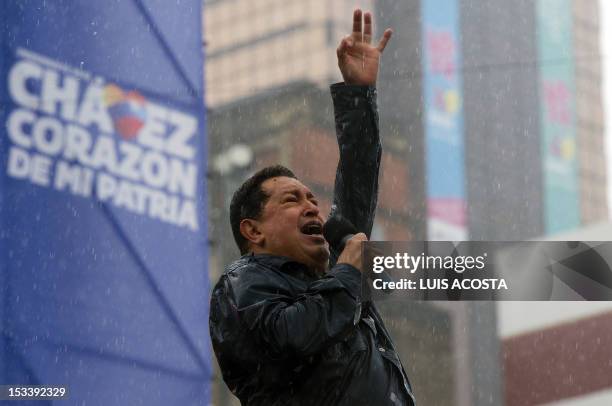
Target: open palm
x,y
357,58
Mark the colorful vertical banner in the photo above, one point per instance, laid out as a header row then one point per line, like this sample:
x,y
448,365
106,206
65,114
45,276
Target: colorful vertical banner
x,y
103,242
444,144
557,115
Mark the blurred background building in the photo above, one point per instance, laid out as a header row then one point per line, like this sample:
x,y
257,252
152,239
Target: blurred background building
x,y
589,111
255,46
515,85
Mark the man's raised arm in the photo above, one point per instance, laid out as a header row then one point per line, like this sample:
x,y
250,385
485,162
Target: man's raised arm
x,y
356,117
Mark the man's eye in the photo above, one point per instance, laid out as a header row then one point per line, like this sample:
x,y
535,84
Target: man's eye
x,y
290,199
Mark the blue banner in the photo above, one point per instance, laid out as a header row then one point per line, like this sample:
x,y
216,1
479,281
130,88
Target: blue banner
x,y
558,115
103,255
446,201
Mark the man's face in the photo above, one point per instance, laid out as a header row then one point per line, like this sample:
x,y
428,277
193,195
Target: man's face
x,y
291,223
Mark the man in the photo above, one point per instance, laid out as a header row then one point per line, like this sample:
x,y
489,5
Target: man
x,y
284,331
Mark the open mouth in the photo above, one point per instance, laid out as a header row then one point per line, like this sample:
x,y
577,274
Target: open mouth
x,y
312,228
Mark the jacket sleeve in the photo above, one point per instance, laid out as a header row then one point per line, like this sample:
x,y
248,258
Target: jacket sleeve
x,y
356,185
283,324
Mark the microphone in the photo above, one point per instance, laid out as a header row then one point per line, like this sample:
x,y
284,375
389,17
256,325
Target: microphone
x,y
337,231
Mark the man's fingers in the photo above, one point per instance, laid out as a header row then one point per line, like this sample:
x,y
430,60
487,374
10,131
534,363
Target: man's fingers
x,y
359,237
357,33
345,44
383,41
357,24
367,32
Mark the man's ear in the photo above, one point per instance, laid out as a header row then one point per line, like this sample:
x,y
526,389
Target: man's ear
x,y
249,229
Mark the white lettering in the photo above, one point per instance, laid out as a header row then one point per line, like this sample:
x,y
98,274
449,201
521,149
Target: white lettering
x,y
66,94
78,143
182,178
104,154
187,215
93,111
130,160
48,135
18,163
154,168
153,132
16,123
18,78
106,186
67,175
178,141
40,170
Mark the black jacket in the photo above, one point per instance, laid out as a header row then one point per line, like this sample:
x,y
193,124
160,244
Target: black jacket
x,y
284,336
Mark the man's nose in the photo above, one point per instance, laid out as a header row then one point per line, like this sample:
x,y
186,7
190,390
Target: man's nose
x,y
311,209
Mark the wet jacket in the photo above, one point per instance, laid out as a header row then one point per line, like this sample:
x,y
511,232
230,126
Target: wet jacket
x,y
284,336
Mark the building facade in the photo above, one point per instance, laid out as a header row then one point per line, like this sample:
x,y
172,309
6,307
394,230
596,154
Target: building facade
x,y
589,111
254,46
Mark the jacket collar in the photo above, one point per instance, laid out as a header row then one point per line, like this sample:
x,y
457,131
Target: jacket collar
x,y
284,264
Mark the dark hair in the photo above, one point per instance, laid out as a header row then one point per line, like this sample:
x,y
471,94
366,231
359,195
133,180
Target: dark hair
x,y
249,200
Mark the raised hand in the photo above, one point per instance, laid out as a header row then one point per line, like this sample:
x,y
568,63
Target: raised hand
x,y
357,58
